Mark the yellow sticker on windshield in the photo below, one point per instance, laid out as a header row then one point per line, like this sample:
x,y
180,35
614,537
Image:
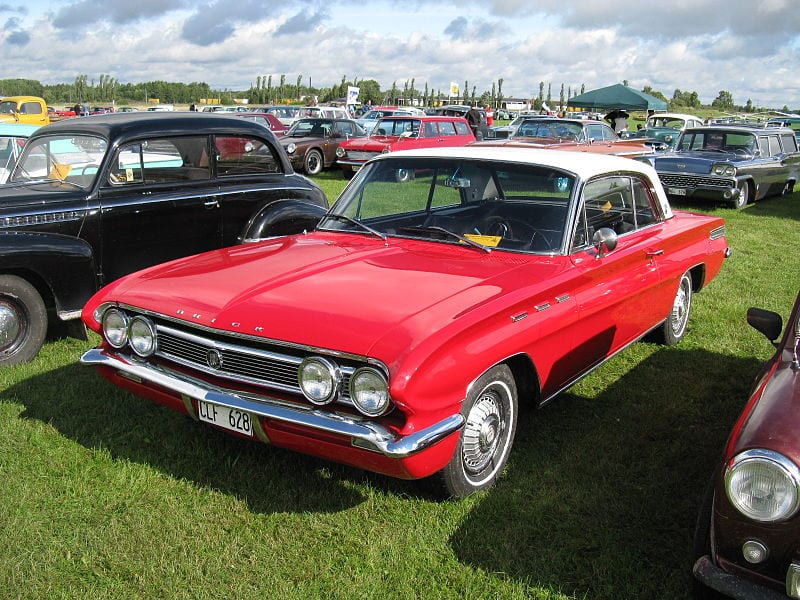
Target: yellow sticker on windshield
x,y
484,240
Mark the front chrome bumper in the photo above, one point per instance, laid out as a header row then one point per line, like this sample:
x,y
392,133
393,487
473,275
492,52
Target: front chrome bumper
x,y
730,585
364,434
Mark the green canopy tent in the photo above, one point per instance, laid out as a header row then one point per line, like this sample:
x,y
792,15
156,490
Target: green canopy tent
x,y
617,96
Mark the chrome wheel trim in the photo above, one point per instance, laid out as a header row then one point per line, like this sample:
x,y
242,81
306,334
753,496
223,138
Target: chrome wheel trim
x,y
681,307
12,325
483,432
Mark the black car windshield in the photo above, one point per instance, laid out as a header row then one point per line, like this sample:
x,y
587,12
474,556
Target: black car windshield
x,y
484,204
72,159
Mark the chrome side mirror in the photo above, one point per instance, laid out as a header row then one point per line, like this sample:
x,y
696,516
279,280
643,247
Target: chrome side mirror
x,y
604,240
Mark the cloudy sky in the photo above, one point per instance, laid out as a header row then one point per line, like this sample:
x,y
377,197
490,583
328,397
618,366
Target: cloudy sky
x,y
751,49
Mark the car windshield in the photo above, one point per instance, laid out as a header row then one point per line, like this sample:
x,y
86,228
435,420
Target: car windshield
x,y
310,128
71,159
550,128
670,122
740,142
483,204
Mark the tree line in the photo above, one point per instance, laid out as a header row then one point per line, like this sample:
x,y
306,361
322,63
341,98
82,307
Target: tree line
x,y
267,89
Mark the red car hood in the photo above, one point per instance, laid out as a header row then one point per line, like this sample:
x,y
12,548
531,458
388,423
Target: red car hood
x,y
347,292
374,143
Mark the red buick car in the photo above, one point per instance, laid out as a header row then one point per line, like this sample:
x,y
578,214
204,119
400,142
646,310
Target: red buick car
x,y
446,289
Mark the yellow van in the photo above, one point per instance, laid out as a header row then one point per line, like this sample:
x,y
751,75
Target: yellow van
x,y
24,109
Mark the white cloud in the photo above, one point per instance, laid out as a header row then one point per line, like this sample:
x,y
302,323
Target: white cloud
x,y
705,46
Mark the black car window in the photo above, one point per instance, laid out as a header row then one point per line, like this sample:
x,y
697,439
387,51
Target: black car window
x,y
166,160
243,155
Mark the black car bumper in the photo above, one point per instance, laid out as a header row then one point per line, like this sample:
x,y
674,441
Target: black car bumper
x,y
733,586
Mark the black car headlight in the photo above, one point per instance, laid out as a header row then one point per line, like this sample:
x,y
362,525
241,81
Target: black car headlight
x,y
142,336
115,327
763,485
369,391
319,380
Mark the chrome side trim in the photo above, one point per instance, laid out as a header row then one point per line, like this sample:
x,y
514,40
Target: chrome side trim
x,y
369,435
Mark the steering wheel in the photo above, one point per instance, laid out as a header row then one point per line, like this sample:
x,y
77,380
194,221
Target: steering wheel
x,y
741,152
495,225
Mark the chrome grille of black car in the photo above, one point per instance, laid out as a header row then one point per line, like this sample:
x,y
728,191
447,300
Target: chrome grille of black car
x,y
235,361
684,180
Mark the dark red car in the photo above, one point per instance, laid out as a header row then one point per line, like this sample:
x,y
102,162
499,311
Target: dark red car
x,y
747,542
268,120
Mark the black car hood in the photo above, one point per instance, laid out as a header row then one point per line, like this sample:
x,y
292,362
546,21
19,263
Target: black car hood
x,y
38,193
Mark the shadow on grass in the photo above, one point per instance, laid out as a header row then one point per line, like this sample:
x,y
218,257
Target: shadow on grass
x,y
82,406
601,494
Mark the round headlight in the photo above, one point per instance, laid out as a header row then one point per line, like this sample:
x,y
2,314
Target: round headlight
x,y
115,327
340,152
142,336
763,485
319,380
290,148
730,171
369,391
719,169
385,150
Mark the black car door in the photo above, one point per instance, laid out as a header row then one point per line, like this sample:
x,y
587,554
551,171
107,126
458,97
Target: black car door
x,y
158,201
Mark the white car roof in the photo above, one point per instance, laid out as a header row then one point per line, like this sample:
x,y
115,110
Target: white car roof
x,y
675,116
582,164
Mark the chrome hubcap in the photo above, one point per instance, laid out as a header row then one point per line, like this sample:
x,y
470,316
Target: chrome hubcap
x,y
680,308
482,432
10,325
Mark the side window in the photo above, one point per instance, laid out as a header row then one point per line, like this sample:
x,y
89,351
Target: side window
x,y
607,202
763,145
244,156
30,108
643,204
462,128
167,160
789,142
431,130
774,145
447,128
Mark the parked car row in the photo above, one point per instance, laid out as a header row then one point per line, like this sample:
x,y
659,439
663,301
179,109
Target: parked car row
x,y
173,235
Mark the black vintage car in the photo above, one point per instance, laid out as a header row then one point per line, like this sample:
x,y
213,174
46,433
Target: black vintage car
x,y
731,163
95,198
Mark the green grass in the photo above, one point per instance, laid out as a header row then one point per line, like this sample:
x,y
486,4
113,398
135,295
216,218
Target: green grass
x,y
106,495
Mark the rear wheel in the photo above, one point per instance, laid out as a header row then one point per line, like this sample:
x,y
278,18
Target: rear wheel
x,y
23,320
674,327
490,413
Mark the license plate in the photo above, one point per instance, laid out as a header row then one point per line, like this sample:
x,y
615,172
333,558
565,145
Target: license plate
x,y
231,419
676,191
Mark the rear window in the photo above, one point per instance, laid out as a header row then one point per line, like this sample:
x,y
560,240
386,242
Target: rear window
x,y
245,156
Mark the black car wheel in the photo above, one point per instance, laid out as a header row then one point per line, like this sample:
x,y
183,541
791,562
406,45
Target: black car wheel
x,y
23,320
313,163
744,195
490,413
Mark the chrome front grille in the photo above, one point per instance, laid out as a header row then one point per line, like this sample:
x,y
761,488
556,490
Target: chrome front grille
x,y
238,362
360,155
684,180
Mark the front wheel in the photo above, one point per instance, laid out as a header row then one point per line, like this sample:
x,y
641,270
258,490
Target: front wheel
x,y
490,413
313,163
744,195
674,327
23,320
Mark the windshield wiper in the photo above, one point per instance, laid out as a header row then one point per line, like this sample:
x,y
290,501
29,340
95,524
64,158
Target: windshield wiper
x,y
347,219
447,233
48,180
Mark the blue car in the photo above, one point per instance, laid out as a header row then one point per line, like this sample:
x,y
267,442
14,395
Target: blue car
x,y
734,164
